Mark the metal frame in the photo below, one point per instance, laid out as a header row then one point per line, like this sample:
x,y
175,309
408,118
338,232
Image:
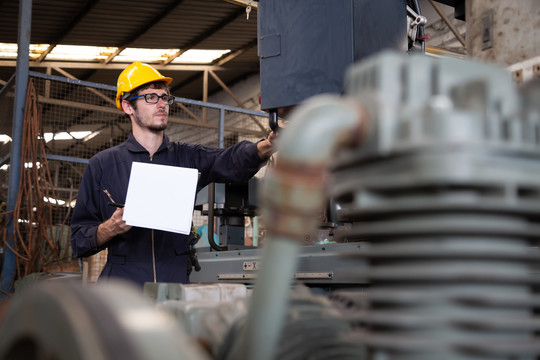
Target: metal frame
x,y
178,99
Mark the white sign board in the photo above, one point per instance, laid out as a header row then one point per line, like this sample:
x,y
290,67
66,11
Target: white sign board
x,y
161,197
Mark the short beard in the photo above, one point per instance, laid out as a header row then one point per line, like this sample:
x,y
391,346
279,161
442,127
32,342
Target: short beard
x,y
153,128
157,128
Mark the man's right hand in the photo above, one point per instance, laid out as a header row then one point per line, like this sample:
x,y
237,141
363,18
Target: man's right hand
x,y
112,227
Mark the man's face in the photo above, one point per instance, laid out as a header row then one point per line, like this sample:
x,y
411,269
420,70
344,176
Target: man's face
x,y
151,116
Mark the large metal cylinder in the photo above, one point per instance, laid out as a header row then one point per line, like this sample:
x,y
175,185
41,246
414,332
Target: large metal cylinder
x,y
446,193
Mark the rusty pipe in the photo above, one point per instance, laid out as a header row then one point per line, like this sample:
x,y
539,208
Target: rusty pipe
x,y
292,195
293,192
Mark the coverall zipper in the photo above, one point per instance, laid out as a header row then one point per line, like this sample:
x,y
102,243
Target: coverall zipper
x,y
153,256
153,247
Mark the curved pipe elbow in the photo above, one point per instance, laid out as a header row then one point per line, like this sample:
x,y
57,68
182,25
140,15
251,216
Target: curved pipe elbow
x,y
293,193
319,127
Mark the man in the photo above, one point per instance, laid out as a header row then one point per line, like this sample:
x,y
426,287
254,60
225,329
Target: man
x,y
139,254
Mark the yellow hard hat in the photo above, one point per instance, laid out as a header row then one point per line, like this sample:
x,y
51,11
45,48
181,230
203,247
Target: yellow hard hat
x,y
135,75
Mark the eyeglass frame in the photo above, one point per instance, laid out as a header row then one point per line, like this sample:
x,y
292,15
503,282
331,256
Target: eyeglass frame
x,y
169,101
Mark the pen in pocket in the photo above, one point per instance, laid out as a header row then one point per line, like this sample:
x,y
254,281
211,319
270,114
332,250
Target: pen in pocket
x,y
112,203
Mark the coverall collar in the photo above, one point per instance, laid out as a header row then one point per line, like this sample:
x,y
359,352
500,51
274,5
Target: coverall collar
x,y
133,146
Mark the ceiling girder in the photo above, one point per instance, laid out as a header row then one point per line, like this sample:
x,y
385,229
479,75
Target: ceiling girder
x,y
77,19
206,35
115,66
144,28
92,90
228,57
222,61
236,99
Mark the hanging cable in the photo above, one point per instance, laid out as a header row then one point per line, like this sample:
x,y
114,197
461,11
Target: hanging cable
x,y
34,245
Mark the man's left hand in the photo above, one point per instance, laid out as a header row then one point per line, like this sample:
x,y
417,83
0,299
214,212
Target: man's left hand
x,y
266,147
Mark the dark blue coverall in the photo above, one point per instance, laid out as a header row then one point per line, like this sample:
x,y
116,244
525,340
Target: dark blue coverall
x,y
132,255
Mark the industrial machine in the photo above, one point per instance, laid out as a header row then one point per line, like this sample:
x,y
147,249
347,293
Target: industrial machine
x,y
305,47
300,58
434,165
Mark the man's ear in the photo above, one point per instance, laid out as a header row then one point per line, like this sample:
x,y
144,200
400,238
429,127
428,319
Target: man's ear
x,y
128,109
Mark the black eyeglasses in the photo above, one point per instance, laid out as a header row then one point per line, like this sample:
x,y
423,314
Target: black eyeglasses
x,y
153,98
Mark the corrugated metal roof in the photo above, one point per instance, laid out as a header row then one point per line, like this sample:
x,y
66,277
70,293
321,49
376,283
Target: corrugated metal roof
x,y
162,24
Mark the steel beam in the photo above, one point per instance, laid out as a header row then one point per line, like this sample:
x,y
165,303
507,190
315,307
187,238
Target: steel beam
x,y
204,35
238,101
21,87
448,22
111,66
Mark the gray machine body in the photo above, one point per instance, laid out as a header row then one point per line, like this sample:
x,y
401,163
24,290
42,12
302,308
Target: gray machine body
x,y
306,46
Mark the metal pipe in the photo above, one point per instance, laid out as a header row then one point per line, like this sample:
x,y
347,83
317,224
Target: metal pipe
x,y
211,201
221,127
255,239
176,98
221,131
7,85
269,301
21,87
212,191
205,95
292,194
66,158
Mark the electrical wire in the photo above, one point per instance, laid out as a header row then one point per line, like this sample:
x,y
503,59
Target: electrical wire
x,y
33,243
